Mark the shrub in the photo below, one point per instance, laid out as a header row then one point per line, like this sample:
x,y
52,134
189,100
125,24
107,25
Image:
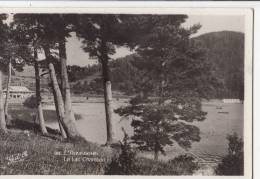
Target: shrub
x,y
233,162
124,164
30,102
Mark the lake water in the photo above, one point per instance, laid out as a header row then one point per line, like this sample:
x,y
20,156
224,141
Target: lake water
x,y
92,124
222,119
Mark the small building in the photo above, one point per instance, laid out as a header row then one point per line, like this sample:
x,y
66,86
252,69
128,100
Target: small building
x,y
231,101
18,92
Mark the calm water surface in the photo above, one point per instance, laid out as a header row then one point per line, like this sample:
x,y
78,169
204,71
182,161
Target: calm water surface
x,y
222,119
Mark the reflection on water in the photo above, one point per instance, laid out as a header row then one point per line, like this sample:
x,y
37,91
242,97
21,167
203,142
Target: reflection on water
x,y
213,143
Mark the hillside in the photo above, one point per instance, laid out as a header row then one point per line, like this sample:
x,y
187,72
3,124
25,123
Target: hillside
x,y
26,78
225,50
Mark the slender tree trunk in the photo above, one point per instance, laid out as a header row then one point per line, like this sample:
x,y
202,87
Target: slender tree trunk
x,y
68,125
63,59
8,89
156,155
38,94
65,87
59,114
63,132
2,115
107,94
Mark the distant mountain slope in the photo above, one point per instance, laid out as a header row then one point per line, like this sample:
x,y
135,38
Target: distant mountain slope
x,y
224,48
226,52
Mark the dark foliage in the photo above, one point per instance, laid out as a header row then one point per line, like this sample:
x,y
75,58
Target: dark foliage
x,y
124,164
30,102
77,73
156,126
226,51
94,86
174,76
233,162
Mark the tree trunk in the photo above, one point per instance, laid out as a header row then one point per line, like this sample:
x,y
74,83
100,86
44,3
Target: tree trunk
x,y
59,114
7,90
2,115
107,95
68,124
65,81
38,94
63,58
62,131
156,155
109,112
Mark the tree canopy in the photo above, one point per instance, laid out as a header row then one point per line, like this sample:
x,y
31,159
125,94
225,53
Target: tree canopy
x,y
175,77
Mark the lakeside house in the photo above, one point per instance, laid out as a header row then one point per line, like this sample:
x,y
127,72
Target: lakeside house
x,y
18,92
231,101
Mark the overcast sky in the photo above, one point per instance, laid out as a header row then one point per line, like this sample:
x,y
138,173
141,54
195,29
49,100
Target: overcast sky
x,y
76,56
216,23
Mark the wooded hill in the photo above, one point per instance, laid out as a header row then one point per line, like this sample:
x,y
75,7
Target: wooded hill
x,y
226,52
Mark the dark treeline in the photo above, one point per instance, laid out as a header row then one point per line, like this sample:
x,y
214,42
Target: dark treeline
x,y
78,73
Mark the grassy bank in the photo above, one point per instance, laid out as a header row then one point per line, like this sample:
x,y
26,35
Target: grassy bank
x,y
28,152
24,150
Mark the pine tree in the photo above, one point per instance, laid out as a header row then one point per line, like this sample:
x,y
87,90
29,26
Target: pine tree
x,y
176,76
101,34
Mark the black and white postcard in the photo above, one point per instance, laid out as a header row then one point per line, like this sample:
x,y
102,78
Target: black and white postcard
x,y
126,91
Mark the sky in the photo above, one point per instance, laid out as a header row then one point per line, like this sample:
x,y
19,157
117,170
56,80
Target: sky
x,y
216,23
76,56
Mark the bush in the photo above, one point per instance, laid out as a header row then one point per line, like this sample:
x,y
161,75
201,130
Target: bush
x,y
124,164
233,162
30,102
